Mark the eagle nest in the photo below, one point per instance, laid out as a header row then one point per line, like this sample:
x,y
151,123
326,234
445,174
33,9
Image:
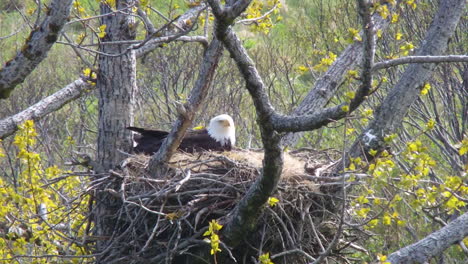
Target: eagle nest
x,y
164,219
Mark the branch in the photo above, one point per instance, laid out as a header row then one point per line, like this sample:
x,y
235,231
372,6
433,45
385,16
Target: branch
x,y
309,122
171,31
434,244
156,42
37,45
233,11
366,76
99,16
327,85
148,24
75,89
419,59
244,216
174,30
188,110
47,105
252,20
391,112
20,28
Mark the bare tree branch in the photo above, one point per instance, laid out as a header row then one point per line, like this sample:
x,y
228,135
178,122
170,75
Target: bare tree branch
x,y
98,16
434,244
20,28
148,24
283,123
75,89
419,59
156,42
188,110
390,114
46,106
369,51
243,217
36,47
250,21
327,85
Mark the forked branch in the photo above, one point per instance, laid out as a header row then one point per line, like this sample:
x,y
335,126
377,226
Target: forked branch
x,y
244,216
37,45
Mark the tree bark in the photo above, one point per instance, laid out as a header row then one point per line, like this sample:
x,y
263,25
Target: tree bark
x,y
244,216
44,107
434,244
75,89
391,112
37,45
196,97
327,85
116,84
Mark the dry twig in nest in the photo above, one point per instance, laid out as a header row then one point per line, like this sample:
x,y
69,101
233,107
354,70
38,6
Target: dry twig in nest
x,y
165,218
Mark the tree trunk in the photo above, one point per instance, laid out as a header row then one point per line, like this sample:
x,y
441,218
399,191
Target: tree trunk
x,y
434,244
36,47
390,114
328,84
117,86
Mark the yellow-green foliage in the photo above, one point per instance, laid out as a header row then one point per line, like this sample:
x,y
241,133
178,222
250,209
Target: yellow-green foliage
x,y
260,12
265,259
212,232
31,231
396,196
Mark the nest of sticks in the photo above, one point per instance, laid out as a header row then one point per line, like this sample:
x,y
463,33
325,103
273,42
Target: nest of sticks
x,y
164,219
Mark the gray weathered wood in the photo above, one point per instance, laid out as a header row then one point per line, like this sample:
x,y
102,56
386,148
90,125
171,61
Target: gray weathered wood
x,y
327,85
434,244
243,217
393,109
75,89
196,97
419,59
44,107
36,47
116,84
322,117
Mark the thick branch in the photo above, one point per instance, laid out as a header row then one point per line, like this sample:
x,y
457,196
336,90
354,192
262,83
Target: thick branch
x,y
327,85
36,47
419,59
243,218
75,89
434,244
283,123
175,31
232,12
156,42
188,110
46,106
390,114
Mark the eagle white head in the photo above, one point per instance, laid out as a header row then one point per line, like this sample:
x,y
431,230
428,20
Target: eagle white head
x,y
222,129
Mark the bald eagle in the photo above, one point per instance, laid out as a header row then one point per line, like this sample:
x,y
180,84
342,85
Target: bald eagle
x,y
219,136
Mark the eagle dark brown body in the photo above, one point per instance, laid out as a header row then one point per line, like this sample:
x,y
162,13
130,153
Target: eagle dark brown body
x,y
149,141
219,136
